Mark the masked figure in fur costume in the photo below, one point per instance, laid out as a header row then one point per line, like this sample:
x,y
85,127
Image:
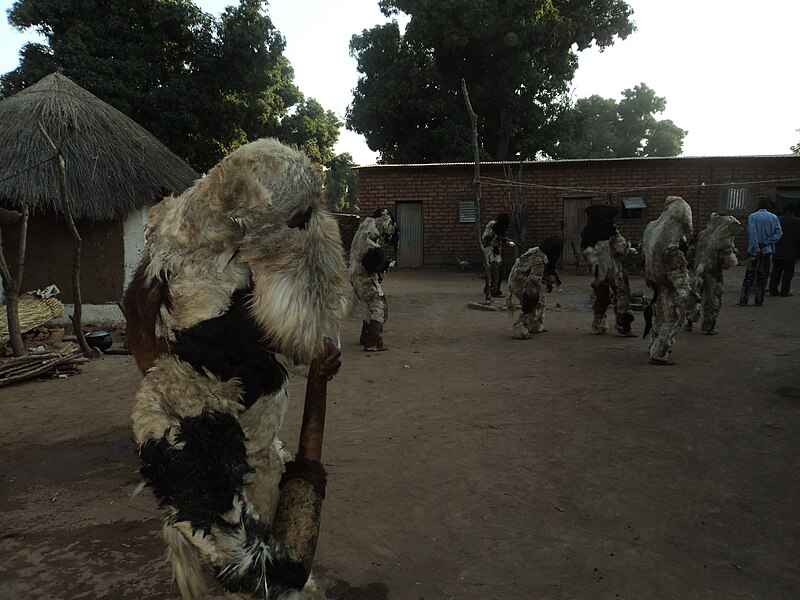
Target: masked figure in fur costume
x,y
712,252
665,248
494,238
368,260
533,273
605,248
243,266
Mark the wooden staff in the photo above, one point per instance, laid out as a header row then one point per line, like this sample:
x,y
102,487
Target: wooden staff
x,y
299,510
313,426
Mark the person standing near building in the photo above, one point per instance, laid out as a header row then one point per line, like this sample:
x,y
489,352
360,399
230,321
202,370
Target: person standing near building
x,y
494,238
763,229
786,252
368,262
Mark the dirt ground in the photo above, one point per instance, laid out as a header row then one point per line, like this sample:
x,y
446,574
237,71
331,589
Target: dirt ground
x,y
464,464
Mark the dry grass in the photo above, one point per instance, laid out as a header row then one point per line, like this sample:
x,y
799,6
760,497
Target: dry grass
x,y
113,165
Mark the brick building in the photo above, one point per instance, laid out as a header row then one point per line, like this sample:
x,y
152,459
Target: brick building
x,y
434,203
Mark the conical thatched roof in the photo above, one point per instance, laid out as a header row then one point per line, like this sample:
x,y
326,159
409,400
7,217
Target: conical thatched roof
x,y
113,165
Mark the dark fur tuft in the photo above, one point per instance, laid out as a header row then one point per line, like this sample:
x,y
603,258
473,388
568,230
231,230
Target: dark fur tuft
x,y
501,223
529,303
552,248
273,570
600,224
232,345
374,261
201,479
142,304
648,320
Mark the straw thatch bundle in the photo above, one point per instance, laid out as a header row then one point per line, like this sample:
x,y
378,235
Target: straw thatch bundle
x,y
113,165
33,312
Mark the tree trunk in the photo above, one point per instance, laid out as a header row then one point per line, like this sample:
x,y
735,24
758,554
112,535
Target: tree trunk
x,y
13,285
76,252
504,135
476,182
77,326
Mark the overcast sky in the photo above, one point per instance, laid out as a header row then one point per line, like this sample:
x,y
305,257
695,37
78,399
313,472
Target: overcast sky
x,y
726,67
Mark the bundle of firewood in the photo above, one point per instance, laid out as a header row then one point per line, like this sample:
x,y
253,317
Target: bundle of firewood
x,y
64,361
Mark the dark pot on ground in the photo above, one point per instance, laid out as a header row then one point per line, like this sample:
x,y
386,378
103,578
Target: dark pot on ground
x,y
99,339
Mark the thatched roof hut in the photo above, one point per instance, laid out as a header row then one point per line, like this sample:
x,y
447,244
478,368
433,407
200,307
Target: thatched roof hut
x,y
115,170
113,165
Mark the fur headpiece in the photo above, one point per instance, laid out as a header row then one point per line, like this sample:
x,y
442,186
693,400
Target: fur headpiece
x,y
501,223
387,226
257,221
714,247
599,224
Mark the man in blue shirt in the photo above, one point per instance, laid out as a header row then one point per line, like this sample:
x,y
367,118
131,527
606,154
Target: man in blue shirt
x,y
764,229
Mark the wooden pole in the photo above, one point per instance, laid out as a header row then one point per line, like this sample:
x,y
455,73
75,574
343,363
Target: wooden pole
x,y
313,425
519,211
476,182
13,284
76,253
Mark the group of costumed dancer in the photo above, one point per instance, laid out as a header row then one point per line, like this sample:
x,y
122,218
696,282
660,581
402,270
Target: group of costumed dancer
x,y
243,280
683,271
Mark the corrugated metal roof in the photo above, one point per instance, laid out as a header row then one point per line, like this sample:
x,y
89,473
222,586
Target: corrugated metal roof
x,y
572,161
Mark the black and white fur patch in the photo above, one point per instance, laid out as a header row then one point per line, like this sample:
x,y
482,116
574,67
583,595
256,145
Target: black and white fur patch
x,y
202,472
232,345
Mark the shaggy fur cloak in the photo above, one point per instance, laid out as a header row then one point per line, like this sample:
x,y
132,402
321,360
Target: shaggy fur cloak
x,y
665,246
244,266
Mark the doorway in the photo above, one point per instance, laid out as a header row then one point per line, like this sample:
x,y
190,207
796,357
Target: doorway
x,y
574,222
409,220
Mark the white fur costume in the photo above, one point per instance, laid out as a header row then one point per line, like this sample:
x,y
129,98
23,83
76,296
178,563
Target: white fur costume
x,y
664,245
245,264
713,252
525,282
367,262
606,258
605,249
533,273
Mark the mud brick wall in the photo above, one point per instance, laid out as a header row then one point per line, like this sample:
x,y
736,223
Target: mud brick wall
x,y
704,182
348,224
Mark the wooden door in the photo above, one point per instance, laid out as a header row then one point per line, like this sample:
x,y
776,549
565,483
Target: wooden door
x,y
574,222
409,220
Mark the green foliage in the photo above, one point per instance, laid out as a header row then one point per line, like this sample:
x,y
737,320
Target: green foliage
x,y
796,148
311,129
597,127
517,57
341,184
202,85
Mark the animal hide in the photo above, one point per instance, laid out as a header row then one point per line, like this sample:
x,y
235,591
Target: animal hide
x,y
368,261
599,224
713,252
605,249
244,266
665,245
606,258
525,282
714,249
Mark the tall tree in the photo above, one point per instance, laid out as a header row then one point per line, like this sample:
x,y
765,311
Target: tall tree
x,y
312,129
201,85
341,184
597,127
517,56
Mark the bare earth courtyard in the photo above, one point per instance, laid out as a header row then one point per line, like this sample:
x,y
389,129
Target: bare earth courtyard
x,y
465,464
